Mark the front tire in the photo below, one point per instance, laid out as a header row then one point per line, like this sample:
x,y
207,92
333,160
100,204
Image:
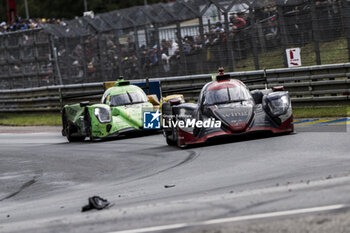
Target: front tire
x,y
170,142
176,139
69,134
89,126
168,135
64,124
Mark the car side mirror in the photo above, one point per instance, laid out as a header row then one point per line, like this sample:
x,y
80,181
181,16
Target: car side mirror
x,y
84,104
202,105
203,100
257,96
278,88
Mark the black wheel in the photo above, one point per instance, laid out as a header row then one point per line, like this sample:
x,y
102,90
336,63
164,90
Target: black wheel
x,y
88,126
291,132
64,124
167,136
176,139
69,134
170,142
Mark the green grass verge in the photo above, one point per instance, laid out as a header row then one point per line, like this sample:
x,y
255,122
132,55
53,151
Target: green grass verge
x,y
341,111
54,119
331,52
30,119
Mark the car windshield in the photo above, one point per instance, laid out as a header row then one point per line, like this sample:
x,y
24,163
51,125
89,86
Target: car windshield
x,y
137,97
227,95
128,98
121,99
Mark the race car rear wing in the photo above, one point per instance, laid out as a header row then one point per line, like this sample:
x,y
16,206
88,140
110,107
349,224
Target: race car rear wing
x,y
150,87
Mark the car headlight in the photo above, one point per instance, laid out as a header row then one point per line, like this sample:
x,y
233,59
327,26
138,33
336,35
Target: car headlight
x,y
279,104
102,114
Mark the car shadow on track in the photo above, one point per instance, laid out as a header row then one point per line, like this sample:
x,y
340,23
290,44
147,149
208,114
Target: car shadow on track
x,y
129,135
220,140
121,139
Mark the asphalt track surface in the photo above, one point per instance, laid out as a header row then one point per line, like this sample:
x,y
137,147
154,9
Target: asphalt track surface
x,y
291,183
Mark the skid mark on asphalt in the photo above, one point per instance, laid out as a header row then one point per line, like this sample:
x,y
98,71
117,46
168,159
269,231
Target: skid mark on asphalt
x,y
24,186
192,155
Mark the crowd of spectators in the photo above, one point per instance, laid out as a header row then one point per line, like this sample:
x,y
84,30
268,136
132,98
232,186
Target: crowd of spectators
x,y
298,33
87,57
25,24
149,60
166,60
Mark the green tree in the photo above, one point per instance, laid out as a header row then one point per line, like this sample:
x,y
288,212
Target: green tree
x,y
3,13
68,9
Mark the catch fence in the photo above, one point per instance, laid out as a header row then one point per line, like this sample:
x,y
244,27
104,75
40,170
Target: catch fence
x,y
174,39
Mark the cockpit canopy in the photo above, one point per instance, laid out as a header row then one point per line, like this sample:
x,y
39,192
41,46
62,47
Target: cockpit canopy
x,y
127,98
227,94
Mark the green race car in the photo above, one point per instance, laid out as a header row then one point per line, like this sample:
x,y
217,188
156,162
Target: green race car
x,y
121,111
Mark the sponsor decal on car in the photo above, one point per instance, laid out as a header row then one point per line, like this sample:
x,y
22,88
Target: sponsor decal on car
x,y
235,114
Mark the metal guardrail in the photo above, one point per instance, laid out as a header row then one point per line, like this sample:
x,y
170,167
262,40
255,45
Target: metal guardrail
x,y
325,85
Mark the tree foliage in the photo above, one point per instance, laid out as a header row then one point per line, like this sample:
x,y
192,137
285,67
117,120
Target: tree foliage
x,y
68,9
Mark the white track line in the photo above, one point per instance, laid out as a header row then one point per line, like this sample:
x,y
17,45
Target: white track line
x,y
234,219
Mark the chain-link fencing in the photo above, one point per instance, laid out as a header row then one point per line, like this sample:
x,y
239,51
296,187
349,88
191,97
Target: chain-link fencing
x,y
177,38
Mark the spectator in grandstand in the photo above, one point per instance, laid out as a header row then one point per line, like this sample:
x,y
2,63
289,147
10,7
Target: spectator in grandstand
x,y
174,62
197,43
145,61
153,57
172,47
164,47
21,24
165,62
214,46
165,55
3,27
218,26
245,17
131,44
187,44
237,22
218,36
153,62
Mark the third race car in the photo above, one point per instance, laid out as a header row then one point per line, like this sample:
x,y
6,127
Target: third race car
x,y
120,111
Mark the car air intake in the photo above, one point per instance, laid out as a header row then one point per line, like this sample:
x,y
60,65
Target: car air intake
x,y
223,77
